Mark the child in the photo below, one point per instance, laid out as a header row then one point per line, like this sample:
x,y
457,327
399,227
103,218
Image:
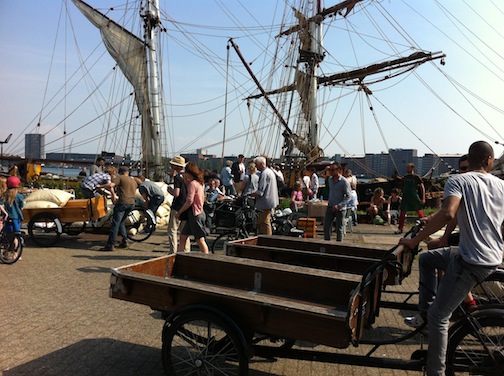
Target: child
x,y
394,201
13,202
377,204
3,216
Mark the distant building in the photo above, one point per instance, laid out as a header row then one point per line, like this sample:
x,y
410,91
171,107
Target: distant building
x,y
84,158
34,146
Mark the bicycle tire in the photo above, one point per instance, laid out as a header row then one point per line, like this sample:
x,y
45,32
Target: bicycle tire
x,y
227,237
140,224
203,343
45,229
466,354
491,290
11,249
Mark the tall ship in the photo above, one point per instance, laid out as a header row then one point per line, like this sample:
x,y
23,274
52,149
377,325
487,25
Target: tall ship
x,y
300,84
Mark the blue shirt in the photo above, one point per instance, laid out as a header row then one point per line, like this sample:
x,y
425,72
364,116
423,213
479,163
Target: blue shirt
x,y
226,176
15,211
339,192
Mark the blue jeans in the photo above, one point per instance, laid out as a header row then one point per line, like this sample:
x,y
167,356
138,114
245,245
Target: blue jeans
x,y
154,203
329,218
460,277
120,210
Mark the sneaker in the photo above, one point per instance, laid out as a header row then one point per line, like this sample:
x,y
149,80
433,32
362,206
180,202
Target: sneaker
x,y
107,248
397,232
414,321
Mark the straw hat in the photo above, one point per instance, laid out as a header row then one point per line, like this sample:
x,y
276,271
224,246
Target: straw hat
x,y
178,161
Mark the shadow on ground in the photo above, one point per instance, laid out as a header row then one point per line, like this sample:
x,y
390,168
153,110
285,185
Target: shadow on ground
x,y
103,356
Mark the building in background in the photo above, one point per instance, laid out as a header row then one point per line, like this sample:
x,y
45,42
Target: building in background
x,y
34,146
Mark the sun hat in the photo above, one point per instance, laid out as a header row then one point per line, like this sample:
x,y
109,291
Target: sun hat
x,y
178,161
13,182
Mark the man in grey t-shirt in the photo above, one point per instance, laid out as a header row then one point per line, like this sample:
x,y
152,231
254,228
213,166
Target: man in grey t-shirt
x,y
476,199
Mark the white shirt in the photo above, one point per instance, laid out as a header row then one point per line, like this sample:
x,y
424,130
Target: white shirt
x,y
480,216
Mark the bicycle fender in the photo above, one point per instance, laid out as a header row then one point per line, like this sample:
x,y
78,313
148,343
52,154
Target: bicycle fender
x,y
480,313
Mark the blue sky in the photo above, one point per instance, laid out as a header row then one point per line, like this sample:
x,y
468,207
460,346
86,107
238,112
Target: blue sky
x,y
438,109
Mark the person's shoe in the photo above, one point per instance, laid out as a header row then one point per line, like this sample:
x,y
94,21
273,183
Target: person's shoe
x,y
107,248
123,244
397,232
414,321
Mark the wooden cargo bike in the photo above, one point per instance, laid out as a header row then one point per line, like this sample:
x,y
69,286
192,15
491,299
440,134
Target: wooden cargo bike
x,y
221,311
46,225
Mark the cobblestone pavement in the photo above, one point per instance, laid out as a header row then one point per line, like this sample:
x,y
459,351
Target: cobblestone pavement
x,y
56,317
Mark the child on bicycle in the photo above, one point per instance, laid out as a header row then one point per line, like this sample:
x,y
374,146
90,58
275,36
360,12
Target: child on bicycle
x,y
13,203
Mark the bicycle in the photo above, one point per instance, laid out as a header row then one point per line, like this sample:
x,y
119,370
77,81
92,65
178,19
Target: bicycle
x,y
234,221
11,247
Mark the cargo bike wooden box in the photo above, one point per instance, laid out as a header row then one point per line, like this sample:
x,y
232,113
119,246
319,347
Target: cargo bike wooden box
x,y
47,224
224,310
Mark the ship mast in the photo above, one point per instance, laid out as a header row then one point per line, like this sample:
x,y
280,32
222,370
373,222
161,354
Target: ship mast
x,y
313,63
151,24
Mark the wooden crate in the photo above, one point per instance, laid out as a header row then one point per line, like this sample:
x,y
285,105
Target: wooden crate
x,y
309,225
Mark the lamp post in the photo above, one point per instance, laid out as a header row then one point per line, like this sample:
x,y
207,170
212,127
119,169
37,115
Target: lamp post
x,y
4,142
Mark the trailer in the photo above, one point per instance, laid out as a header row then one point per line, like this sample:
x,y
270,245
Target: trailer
x,y
221,311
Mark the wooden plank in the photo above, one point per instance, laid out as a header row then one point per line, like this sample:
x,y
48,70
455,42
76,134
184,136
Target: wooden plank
x,y
335,262
395,273
278,279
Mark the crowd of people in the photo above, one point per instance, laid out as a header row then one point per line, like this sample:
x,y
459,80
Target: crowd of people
x,y
473,202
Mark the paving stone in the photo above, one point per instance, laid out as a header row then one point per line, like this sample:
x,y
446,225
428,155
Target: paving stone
x,y
56,317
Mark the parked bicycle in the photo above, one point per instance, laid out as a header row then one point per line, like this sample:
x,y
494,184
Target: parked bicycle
x,y
11,247
281,224
232,220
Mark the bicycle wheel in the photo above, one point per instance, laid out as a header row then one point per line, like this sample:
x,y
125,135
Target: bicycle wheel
x,y
221,240
11,248
140,224
491,290
468,355
202,343
45,229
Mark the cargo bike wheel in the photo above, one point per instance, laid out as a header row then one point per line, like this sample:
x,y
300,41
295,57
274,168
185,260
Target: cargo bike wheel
x,y
45,229
11,248
140,224
477,348
203,342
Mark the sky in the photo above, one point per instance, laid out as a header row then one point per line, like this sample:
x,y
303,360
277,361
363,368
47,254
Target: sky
x,y
436,108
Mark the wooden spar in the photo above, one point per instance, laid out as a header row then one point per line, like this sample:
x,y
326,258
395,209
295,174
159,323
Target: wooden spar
x,y
280,117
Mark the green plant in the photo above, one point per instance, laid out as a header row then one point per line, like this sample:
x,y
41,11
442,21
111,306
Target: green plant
x,y
284,204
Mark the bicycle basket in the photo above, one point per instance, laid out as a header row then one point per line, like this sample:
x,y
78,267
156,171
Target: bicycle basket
x,y
225,215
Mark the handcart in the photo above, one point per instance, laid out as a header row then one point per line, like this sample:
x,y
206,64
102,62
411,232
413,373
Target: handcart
x,y
222,311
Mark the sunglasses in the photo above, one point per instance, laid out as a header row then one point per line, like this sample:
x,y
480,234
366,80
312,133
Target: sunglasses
x,y
463,168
